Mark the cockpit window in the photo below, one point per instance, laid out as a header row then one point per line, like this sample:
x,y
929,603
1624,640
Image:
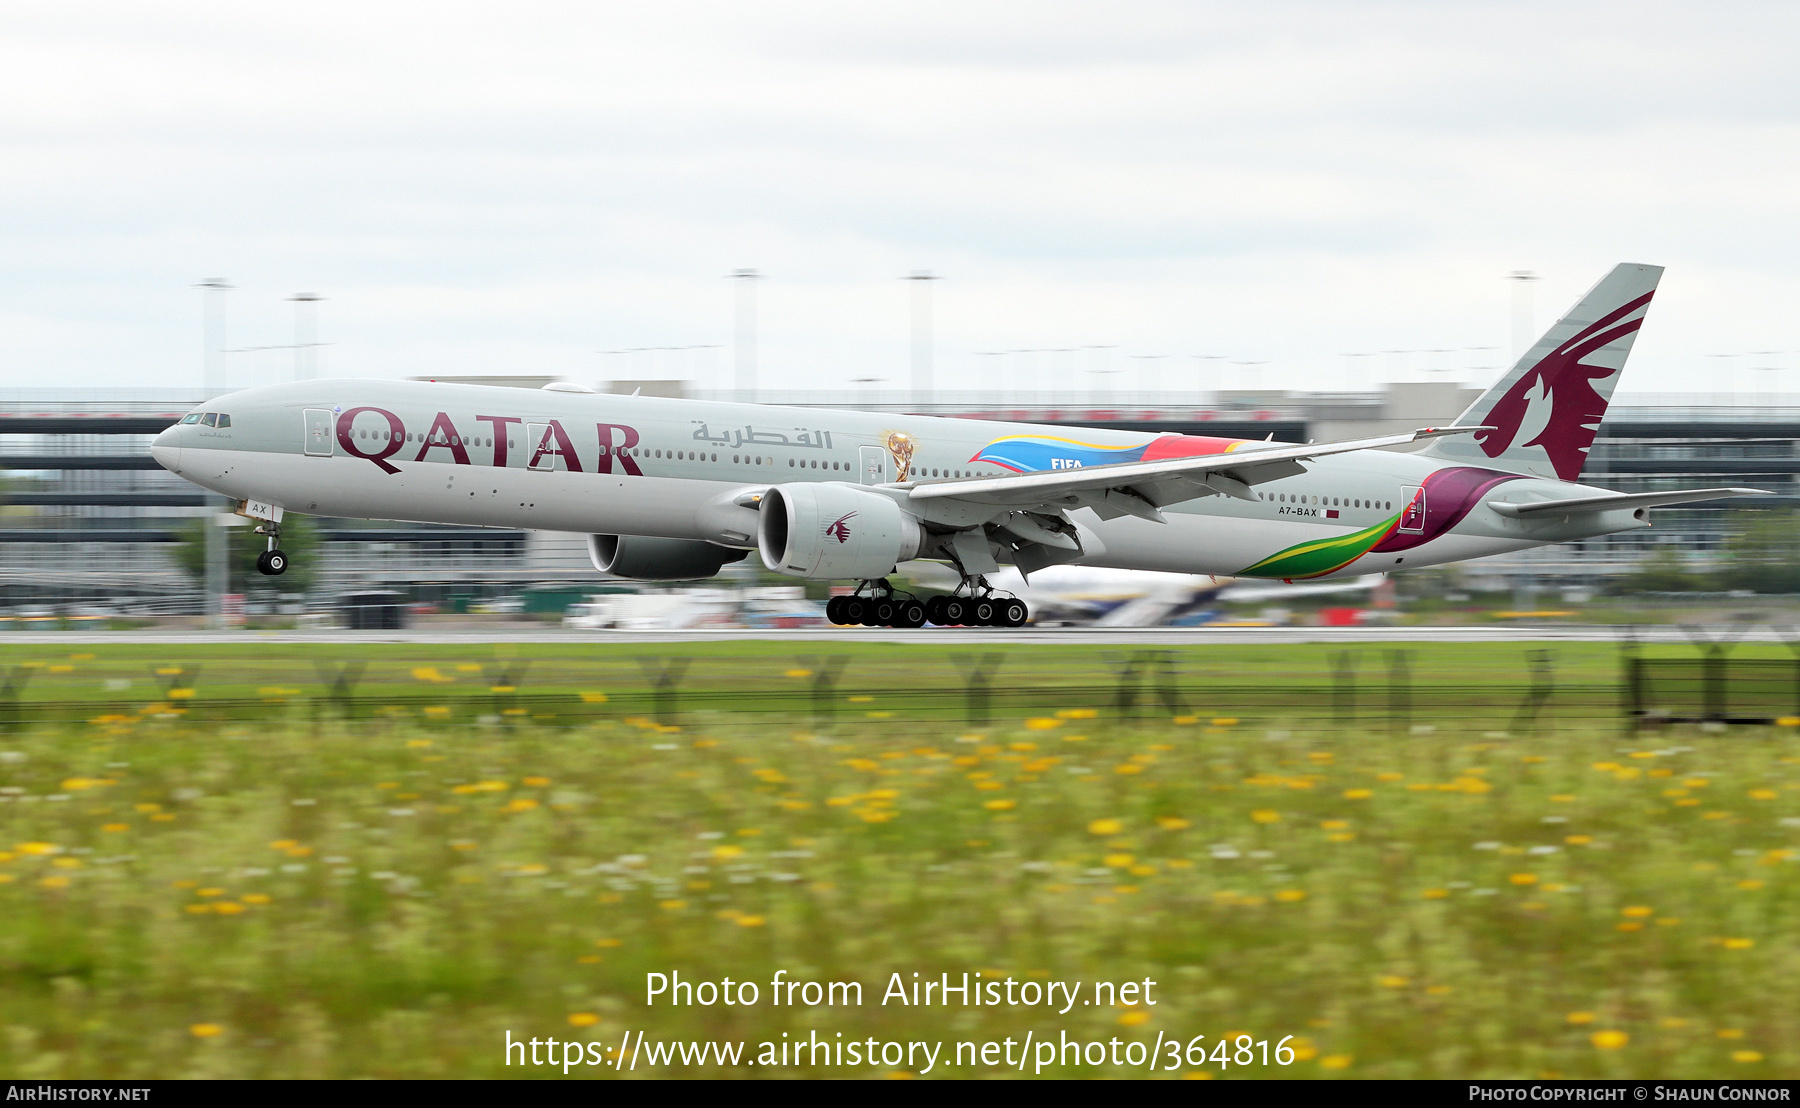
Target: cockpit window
x,y
191,417
224,420
211,420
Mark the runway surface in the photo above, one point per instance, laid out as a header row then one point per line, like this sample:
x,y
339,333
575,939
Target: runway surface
x,y
950,636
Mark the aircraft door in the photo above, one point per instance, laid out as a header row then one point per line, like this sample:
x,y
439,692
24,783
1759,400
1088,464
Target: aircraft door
x,y
1412,516
318,432
874,465
541,441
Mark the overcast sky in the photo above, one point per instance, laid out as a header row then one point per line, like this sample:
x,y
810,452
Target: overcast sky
x,y
514,188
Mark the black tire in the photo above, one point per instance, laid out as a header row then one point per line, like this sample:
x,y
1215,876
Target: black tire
x,y
1013,613
834,610
934,610
984,613
885,611
912,614
956,611
853,610
271,563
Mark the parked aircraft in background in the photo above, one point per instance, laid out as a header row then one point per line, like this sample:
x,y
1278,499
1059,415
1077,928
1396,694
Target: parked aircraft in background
x,y
1134,598
670,489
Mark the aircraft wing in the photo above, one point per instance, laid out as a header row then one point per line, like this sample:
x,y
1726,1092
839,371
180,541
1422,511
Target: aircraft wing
x,y
1140,488
1616,501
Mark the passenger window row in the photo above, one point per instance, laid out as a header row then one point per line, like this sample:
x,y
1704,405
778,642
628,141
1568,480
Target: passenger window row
x,y
1325,501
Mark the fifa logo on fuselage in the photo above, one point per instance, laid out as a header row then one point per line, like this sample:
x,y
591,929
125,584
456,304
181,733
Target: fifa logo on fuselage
x,y
1065,463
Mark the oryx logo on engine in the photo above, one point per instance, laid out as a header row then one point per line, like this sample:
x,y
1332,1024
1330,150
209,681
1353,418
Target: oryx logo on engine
x,y
839,528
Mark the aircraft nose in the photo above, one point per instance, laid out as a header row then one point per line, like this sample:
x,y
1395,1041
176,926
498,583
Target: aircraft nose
x,y
164,450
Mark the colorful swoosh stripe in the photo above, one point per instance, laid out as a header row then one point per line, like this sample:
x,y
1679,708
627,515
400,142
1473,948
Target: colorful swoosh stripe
x,y
1034,453
1448,496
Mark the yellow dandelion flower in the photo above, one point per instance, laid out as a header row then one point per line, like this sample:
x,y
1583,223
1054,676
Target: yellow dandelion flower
x,y
1105,827
1763,794
1137,1017
1172,823
535,782
583,1019
1129,767
1119,861
1739,944
1609,1040
209,892
1580,1017
672,905
1391,981
1673,1023
1043,723
228,908
1291,896
75,863
1390,777
1748,884
1266,815
1435,894
1637,911
1730,1032
1000,805
1746,1056
1524,878
727,850
256,898
55,882
1358,794
1629,925
1335,1062
37,848
750,921
205,1030
1578,840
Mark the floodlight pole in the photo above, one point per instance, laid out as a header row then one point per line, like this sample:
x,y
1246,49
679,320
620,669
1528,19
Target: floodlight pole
x,y
745,332
217,577
921,334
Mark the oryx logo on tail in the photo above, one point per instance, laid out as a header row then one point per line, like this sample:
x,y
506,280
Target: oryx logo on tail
x,y
839,528
1543,415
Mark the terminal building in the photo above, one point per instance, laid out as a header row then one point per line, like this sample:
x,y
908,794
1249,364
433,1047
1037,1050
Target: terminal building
x,y
89,523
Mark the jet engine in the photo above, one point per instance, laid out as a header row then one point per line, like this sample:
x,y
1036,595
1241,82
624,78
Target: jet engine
x,y
834,531
647,559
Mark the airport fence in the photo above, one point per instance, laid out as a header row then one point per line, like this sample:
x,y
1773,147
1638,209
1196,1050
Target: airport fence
x,y
1481,689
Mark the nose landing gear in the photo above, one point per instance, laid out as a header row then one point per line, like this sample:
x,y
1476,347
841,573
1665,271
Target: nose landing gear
x,y
271,562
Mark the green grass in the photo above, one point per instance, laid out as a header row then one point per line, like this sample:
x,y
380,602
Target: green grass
x,y
403,894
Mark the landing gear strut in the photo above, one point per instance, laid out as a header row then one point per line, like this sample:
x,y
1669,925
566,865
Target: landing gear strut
x,y
981,607
882,607
271,562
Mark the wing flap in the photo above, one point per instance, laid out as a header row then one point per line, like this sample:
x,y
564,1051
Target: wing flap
x,y
1229,474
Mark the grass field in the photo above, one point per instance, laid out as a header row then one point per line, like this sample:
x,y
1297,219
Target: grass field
x,y
389,894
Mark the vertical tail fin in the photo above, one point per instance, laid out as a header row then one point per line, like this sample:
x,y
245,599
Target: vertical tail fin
x,y
1545,413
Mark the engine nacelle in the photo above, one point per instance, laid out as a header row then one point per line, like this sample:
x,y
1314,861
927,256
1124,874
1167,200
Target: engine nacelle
x,y
647,559
834,531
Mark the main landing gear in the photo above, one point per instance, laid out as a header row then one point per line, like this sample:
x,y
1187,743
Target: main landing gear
x,y
883,607
271,562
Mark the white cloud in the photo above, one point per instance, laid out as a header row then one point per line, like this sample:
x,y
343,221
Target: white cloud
x,y
484,187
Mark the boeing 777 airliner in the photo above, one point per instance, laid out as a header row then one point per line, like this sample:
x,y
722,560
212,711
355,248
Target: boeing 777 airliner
x,y
670,489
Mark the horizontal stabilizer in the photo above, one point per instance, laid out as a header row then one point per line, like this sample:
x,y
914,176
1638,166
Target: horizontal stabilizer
x,y
1618,502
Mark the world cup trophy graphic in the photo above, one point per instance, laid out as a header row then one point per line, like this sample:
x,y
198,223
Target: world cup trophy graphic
x,y
900,448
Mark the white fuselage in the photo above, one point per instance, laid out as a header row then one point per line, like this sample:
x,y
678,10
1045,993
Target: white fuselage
x,y
682,469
